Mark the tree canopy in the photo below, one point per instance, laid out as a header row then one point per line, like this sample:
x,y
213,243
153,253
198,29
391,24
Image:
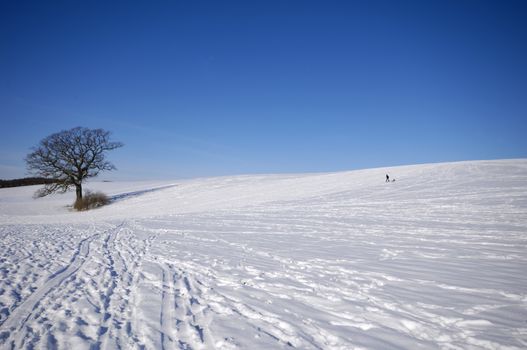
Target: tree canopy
x,y
70,157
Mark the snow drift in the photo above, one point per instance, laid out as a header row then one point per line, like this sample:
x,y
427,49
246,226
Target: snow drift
x,y
436,259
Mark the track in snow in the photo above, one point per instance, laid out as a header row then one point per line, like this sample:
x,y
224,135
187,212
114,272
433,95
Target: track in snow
x,y
18,319
99,279
435,260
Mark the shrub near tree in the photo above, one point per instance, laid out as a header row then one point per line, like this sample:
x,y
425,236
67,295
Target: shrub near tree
x,y
70,157
91,200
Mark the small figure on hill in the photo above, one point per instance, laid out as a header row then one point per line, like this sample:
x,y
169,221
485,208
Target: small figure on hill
x,y
387,178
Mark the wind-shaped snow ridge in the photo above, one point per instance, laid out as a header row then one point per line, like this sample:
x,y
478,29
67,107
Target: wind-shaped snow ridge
x,y
436,259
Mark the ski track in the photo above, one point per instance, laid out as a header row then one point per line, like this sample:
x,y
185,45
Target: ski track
x,y
89,295
427,264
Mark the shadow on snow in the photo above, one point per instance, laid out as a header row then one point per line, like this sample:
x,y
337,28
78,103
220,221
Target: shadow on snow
x,y
123,196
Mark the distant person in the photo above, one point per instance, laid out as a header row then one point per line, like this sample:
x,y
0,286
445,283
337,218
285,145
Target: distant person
x,y
387,178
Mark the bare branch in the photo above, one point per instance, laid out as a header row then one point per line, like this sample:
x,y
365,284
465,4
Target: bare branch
x,y
70,157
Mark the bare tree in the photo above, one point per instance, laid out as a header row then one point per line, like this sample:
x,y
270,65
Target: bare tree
x,y
70,157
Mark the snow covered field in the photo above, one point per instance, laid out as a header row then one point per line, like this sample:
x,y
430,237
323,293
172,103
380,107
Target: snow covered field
x,y
435,260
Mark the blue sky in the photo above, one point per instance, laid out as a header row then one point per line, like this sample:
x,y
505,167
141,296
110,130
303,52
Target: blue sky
x,y
197,88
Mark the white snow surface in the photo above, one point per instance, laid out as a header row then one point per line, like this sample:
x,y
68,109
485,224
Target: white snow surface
x,y
435,260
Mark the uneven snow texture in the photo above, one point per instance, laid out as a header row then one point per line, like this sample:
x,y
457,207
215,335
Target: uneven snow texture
x,y
435,260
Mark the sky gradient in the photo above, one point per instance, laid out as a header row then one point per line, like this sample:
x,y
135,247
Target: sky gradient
x,y
201,88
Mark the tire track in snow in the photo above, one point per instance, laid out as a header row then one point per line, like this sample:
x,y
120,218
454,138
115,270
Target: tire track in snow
x,y
19,316
166,315
184,318
135,330
192,317
118,277
131,255
110,285
26,263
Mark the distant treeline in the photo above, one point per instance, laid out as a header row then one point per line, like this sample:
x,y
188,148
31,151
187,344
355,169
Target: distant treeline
x,y
28,181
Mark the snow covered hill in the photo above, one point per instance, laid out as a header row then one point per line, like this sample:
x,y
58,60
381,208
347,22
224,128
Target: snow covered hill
x,y
435,260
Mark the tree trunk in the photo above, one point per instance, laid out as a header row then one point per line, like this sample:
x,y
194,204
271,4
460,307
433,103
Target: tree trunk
x,y
78,189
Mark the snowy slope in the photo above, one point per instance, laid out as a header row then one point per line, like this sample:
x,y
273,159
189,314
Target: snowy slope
x,y
435,260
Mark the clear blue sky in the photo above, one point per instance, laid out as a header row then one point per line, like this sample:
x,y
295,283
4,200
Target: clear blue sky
x,y
197,88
